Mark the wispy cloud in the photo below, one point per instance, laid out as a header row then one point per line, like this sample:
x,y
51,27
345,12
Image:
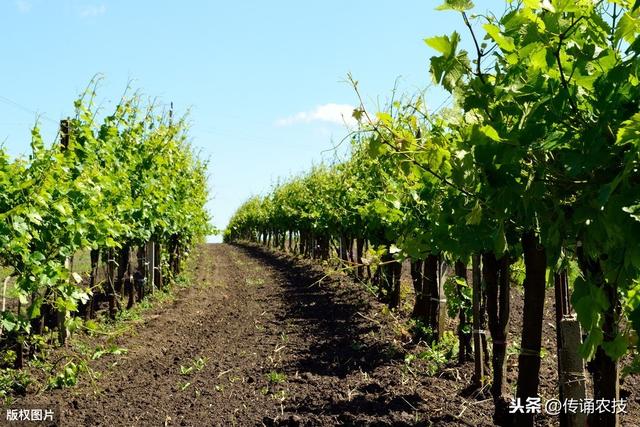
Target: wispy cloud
x,y
327,113
24,6
89,11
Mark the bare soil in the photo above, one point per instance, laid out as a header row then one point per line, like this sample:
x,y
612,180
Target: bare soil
x,y
282,344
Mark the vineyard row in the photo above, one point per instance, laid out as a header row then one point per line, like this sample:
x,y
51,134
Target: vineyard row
x,y
534,167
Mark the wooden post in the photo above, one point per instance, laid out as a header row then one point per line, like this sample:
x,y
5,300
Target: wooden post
x,y
464,337
93,278
570,364
62,313
435,276
478,326
140,276
150,255
157,264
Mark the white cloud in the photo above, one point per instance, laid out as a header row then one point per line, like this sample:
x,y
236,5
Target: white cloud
x,y
93,10
327,113
24,6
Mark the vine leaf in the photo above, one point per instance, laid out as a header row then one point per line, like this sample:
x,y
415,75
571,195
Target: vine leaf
x,y
457,5
444,44
505,43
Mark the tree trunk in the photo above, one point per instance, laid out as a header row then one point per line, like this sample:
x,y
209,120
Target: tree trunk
x,y
481,355
571,379
535,261
123,267
173,255
110,279
496,278
395,271
434,273
325,246
382,279
94,256
344,248
140,273
157,264
606,375
421,305
359,254
464,328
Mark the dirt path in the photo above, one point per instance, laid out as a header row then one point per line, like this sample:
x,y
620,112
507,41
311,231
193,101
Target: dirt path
x,y
278,348
273,344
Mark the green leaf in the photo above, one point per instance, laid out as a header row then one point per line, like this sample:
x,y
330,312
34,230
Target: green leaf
x,y
357,114
384,117
20,225
449,71
627,28
91,325
500,242
34,217
446,45
590,345
572,5
22,297
7,324
504,43
458,5
617,348
538,60
629,132
34,309
490,132
633,211
440,43
475,216
62,207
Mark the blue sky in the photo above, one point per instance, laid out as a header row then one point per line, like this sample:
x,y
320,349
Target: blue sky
x,y
265,81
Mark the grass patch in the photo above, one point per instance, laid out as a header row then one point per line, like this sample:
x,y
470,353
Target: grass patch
x,y
275,377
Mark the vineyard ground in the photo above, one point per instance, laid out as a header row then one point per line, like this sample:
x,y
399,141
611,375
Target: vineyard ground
x,y
260,340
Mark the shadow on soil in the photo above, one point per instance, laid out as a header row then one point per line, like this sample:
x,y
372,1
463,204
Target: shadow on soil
x,y
340,342
331,318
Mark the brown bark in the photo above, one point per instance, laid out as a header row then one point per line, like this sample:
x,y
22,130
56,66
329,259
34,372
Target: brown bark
x,y
344,242
481,355
535,262
434,274
157,265
359,254
110,285
496,278
395,270
571,379
464,334
605,370
122,268
94,256
421,305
